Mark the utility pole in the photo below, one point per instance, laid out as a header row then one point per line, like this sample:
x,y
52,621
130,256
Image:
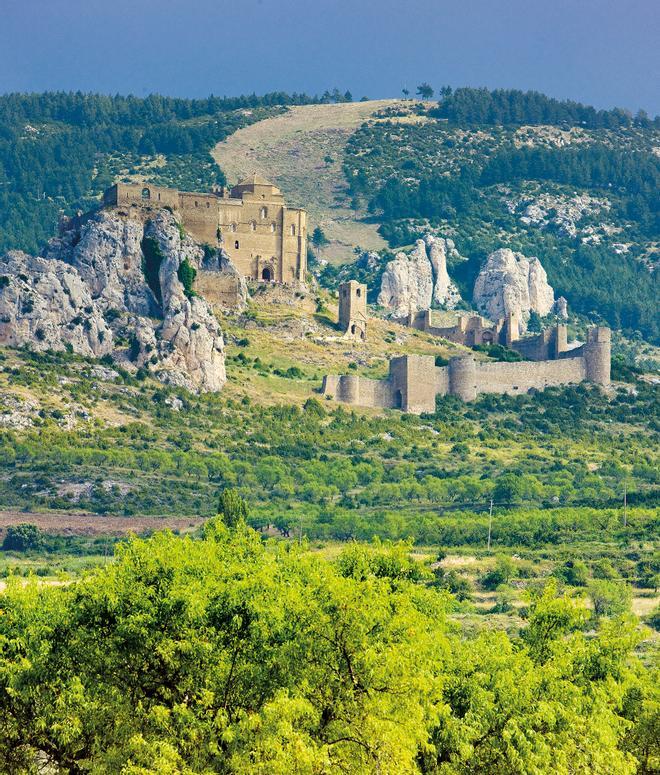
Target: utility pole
x,y
490,522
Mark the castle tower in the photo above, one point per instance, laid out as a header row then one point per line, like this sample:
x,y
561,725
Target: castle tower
x,y
511,329
463,377
353,310
597,355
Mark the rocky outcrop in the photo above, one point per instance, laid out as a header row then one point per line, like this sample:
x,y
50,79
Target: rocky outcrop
x,y
444,290
561,308
510,283
46,304
90,293
413,282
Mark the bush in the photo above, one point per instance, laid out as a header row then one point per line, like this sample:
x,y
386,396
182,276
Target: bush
x,y
610,598
23,537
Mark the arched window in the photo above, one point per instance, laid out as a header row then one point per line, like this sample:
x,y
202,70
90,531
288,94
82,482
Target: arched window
x,y
353,328
196,205
253,225
358,292
146,194
273,228
292,229
263,213
236,245
232,227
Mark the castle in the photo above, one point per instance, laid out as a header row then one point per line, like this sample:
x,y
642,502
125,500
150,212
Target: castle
x,y
414,381
265,239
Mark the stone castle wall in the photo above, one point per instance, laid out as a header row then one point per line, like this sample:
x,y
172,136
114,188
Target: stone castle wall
x,y
265,239
414,381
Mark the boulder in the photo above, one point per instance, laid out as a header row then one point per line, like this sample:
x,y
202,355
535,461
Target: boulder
x,y
511,283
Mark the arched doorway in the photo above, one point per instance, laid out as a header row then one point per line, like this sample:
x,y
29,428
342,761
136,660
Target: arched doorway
x,y
267,274
398,399
487,337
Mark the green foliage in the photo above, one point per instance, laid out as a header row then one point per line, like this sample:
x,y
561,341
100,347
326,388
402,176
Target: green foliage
x,y
511,106
222,655
425,91
499,352
610,598
186,274
573,572
59,151
502,573
232,508
461,179
319,239
549,618
22,538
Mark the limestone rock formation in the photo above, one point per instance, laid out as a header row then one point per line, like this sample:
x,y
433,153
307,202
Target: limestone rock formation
x,y
95,289
444,290
512,283
561,308
47,304
413,282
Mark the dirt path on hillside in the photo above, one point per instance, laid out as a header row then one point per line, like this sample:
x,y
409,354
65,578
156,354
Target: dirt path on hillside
x,y
291,150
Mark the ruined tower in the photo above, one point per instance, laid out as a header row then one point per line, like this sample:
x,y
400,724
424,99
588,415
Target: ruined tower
x,y
353,310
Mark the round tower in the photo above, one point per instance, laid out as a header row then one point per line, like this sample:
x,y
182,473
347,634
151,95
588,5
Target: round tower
x,y
463,377
597,355
349,389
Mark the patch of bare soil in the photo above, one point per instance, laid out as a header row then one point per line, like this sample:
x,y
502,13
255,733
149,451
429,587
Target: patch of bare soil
x,y
72,524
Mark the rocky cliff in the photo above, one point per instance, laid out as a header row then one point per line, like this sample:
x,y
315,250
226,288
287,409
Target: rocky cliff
x,y
512,283
413,282
113,286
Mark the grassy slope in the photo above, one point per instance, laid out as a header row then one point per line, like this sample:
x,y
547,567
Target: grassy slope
x,y
291,150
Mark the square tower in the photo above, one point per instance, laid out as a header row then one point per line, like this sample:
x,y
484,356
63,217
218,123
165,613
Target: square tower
x,y
353,310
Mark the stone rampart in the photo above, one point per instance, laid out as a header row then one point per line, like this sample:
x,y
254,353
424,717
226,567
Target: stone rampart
x,y
414,381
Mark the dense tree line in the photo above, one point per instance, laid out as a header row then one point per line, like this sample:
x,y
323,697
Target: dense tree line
x,y
513,107
567,450
633,174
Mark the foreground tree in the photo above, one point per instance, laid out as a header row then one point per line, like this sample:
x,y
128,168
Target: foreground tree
x,y
224,655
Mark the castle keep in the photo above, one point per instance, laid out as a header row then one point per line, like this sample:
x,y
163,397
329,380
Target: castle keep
x,y
265,239
414,381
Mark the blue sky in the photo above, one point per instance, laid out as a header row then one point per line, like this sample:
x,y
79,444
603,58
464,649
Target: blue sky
x,y
602,52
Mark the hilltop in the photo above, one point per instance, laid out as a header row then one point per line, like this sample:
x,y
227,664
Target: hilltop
x,y
573,186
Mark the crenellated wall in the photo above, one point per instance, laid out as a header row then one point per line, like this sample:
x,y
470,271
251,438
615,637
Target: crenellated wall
x,y
414,381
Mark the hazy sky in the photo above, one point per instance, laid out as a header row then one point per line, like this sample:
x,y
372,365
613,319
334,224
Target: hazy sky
x,y
603,52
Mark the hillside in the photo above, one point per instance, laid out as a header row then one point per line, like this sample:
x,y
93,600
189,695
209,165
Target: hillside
x,y
575,187
303,150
